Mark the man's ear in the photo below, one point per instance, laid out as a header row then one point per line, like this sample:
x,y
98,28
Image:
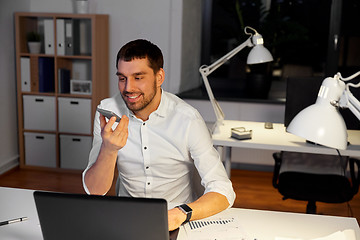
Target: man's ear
x,y
160,77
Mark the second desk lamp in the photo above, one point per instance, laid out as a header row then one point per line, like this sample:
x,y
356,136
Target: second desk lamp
x,y
258,54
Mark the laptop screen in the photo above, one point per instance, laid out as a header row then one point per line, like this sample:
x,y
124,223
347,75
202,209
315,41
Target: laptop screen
x,y
79,216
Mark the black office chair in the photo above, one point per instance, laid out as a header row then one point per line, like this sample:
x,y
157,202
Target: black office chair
x,y
315,178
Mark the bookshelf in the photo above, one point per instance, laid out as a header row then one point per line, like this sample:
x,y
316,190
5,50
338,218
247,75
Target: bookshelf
x,y
59,88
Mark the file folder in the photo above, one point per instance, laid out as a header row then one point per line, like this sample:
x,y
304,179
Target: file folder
x,y
64,80
69,42
46,74
49,36
25,74
60,36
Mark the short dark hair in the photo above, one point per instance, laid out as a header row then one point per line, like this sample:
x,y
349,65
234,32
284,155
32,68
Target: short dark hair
x,y
139,49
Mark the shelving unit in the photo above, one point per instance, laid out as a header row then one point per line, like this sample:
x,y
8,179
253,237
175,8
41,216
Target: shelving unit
x,y
58,90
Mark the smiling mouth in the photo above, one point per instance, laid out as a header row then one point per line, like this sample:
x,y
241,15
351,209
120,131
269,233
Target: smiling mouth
x,y
133,98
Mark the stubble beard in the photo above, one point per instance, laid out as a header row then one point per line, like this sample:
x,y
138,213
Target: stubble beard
x,y
138,106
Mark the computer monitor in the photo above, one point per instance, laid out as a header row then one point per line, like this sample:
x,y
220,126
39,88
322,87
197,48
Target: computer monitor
x,y
80,216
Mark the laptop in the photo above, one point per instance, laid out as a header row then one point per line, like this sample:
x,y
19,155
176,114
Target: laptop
x,y
80,216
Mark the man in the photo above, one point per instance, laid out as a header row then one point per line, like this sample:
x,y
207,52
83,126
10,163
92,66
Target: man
x,y
159,145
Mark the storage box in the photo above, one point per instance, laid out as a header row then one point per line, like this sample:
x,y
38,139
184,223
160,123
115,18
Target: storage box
x,y
74,115
40,149
39,113
74,151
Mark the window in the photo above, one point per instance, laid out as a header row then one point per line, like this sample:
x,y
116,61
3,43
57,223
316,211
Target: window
x,y
308,38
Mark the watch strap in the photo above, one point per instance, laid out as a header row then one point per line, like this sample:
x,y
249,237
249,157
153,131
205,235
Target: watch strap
x,y
187,210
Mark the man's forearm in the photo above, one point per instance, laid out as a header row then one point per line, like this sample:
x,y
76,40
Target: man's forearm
x,y
207,205
99,177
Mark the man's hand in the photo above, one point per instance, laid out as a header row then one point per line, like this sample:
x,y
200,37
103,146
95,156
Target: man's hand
x,y
100,175
175,218
114,140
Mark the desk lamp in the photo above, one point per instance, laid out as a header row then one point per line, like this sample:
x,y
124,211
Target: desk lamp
x,y
258,54
322,122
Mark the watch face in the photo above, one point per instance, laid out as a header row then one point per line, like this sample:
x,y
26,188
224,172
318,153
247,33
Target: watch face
x,y
186,208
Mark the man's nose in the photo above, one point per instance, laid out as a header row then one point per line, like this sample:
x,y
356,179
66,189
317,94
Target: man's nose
x,y
129,85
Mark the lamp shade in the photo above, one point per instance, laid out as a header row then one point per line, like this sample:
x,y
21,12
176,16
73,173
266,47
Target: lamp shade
x,y
322,122
321,125
259,54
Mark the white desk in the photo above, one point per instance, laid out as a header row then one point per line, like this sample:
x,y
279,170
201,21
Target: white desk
x,y
276,139
262,225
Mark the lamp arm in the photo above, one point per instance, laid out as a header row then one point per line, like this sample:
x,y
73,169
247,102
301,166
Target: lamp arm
x,y
348,100
217,109
207,70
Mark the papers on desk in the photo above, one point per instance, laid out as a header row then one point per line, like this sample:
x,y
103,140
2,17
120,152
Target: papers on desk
x,y
215,228
348,234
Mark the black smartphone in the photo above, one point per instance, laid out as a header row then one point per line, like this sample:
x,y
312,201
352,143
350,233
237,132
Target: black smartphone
x,y
108,114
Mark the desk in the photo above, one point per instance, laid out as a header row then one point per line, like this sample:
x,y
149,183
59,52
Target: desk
x,y
276,139
262,225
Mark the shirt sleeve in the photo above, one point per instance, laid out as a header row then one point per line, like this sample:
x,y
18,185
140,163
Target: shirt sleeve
x,y
96,145
207,161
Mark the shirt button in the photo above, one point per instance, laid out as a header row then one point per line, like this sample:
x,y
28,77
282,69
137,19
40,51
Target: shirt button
x,y
148,183
145,148
143,124
147,167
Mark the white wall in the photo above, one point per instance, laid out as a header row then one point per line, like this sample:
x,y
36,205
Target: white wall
x,y
9,153
244,111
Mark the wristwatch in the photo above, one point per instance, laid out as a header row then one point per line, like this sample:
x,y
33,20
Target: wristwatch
x,y
187,210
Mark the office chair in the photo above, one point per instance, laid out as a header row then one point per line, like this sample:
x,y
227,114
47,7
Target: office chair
x,y
315,178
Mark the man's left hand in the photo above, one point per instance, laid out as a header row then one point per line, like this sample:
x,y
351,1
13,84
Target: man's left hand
x,y
175,218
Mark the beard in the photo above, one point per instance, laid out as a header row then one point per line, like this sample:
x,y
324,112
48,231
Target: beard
x,y
143,103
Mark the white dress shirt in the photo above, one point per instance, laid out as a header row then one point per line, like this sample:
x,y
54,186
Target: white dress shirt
x,y
162,154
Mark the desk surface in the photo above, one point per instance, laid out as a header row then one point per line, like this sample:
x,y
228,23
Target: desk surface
x,y
262,225
278,139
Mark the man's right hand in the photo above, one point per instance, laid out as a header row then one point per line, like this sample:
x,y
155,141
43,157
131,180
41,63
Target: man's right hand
x,y
114,140
99,177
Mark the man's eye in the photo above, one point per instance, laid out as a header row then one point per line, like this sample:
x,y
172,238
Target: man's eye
x,y
122,78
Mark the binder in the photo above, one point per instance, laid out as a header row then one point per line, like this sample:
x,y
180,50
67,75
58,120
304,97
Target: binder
x,y
49,36
69,42
76,36
64,80
60,36
46,74
25,74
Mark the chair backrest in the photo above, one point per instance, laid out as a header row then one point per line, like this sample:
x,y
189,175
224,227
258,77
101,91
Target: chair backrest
x,y
313,163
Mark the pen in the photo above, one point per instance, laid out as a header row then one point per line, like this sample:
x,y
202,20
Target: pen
x,y
13,221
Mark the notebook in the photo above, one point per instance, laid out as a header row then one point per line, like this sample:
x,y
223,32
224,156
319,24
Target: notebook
x,y
80,216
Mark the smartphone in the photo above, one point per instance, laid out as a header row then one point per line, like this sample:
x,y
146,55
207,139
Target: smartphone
x,y
108,114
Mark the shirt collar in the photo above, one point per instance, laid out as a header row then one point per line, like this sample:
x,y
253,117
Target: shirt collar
x,y
162,109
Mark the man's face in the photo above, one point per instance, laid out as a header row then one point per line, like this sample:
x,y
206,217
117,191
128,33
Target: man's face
x,y
139,86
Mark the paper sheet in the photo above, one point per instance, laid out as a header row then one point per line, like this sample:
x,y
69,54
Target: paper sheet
x,y
348,234
215,229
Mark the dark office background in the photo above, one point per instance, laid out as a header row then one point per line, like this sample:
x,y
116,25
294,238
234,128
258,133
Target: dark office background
x,y
308,38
